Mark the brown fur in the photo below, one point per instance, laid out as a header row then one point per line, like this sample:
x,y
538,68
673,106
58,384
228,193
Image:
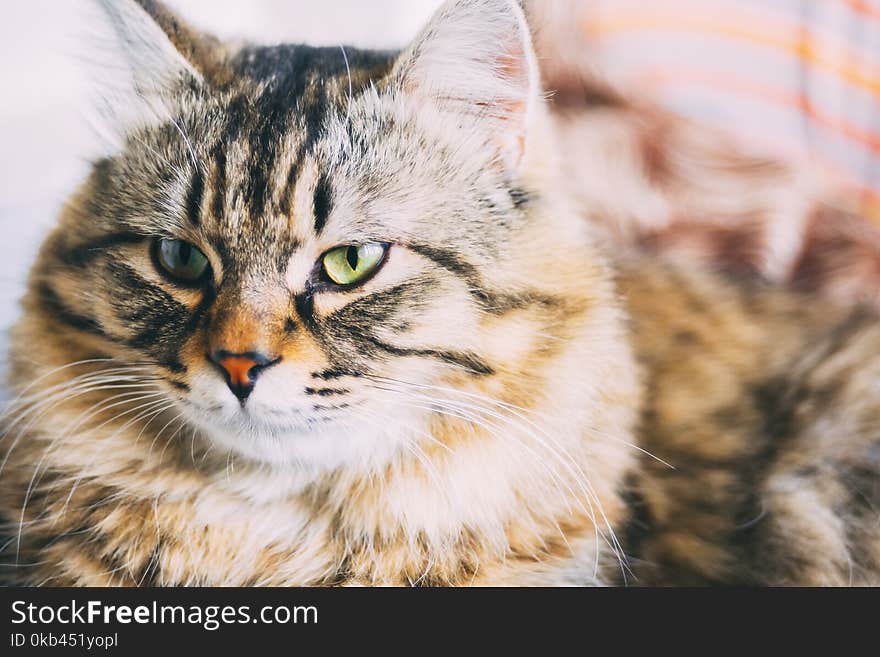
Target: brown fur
x,y
746,391
574,420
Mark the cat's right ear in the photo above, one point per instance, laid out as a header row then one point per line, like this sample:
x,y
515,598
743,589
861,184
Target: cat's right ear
x,y
474,61
148,57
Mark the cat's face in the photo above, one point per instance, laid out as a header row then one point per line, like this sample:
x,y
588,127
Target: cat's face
x,y
309,246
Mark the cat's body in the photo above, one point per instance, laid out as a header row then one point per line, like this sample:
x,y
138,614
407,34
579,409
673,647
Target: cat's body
x,y
474,410
766,407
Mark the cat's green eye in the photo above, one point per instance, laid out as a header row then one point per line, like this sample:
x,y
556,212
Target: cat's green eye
x,y
181,260
348,265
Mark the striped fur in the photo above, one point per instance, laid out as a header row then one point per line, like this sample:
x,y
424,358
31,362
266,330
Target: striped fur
x,y
474,413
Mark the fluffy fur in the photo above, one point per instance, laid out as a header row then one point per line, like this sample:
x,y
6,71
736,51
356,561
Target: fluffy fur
x,y
478,412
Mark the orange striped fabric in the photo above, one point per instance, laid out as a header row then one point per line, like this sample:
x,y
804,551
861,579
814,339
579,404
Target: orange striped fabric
x,y
800,78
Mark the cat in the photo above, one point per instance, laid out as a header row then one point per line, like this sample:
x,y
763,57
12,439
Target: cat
x,y
329,316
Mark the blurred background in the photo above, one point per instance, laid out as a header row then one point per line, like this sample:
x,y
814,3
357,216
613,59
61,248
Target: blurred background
x,y
45,134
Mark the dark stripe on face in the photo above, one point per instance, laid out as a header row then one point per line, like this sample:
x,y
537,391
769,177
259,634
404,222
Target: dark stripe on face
x,y
356,320
455,264
157,321
381,307
82,254
218,201
336,373
313,116
271,114
323,202
347,334
326,392
57,309
325,407
471,363
269,118
305,308
194,197
491,301
448,260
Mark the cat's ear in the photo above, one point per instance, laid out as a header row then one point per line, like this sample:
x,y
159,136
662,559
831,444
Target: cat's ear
x,y
146,57
149,42
475,59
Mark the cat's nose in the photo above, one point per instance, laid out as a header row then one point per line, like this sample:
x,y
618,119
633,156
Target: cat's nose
x,y
241,369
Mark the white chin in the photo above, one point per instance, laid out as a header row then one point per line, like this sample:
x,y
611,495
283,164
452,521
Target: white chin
x,y
324,446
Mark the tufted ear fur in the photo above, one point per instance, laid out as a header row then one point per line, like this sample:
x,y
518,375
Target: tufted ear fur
x,y
147,57
475,60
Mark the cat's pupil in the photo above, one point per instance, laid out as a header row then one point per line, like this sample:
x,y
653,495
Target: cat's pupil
x,y
184,253
352,256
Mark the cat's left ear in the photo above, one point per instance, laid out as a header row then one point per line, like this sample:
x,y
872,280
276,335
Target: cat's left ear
x,y
151,57
475,60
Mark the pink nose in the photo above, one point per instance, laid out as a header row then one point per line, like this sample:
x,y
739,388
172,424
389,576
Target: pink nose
x,y
241,370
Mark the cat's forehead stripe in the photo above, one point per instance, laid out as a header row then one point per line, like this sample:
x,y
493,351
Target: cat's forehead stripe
x,y
194,196
219,182
322,202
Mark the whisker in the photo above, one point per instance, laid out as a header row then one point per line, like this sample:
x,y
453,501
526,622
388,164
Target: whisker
x,y
52,403
350,84
567,463
516,411
554,477
519,409
147,410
